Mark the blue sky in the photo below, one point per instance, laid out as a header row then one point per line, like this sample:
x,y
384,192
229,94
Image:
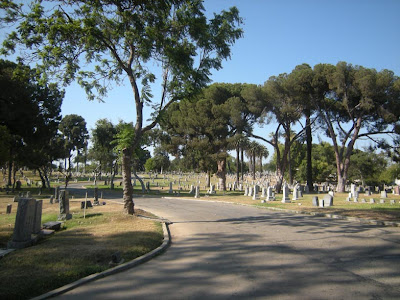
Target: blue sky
x,y
278,35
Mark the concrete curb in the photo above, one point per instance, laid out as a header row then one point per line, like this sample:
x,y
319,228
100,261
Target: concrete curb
x,y
123,267
316,214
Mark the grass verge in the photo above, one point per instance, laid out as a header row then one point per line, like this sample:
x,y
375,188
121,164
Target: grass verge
x,y
84,246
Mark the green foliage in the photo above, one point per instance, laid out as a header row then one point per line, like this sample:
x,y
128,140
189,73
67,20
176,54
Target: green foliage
x,y
102,150
73,128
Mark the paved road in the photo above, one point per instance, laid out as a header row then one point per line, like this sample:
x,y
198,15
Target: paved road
x,y
224,251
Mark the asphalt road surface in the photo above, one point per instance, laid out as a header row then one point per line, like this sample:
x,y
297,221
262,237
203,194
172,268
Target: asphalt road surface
x,y
226,251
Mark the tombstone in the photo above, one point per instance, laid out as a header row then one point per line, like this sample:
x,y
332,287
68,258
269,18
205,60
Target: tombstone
x,y
197,192
8,210
270,196
285,197
396,190
353,189
37,220
392,201
383,194
372,201
28,194
212,189
355,199
192,189
250,191
51,199
315,201
96,196
328,200
263,194
295,192
307,189
363,200
56,193
18,185
367,193
23,224
355,195
246,191
332,193
321,202
148,186
16,199
170,188
88,204
382,201
255,194
64,206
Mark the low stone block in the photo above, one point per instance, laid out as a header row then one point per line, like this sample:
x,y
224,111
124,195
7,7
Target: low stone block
x,y
53,225
315,201
328,200
88,204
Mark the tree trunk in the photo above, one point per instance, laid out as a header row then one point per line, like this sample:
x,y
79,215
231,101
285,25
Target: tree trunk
x,y
242,162
221,174
140,180
129,206
208,178
42,178
309,152
237,165
253,157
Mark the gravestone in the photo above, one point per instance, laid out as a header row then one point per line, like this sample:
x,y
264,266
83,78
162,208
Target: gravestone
x,y
37,220
88,204
321,202
296,192
246,191
363,200
383,194
148,186
372,201
270,196
328,200
197,192
96,196
286,192
192,189
263,194
392,201
51,199
8,210
23,224
64,206
315,201
382,201
56,193
255,193
170,188
18,185
396,190
353,190
212,190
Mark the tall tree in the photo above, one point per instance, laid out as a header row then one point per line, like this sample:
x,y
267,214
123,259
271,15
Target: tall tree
x,y
102,149
360,103
30,113
126,38
276,101
75,134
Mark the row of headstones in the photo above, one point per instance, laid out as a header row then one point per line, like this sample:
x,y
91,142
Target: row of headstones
x,y
355,195
372,201
269,195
